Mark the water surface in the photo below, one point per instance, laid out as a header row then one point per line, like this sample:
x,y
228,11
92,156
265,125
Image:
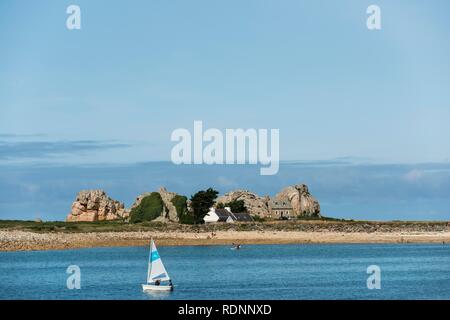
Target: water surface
x,y
333,271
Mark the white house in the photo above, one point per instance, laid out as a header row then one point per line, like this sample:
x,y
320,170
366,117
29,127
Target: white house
x,y
225,215
218,215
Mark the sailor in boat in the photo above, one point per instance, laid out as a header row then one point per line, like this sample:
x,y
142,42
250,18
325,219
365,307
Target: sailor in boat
x,y
236,246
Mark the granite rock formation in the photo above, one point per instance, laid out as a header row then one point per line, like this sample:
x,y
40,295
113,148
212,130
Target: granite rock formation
x,y
95,205
303,203
255,204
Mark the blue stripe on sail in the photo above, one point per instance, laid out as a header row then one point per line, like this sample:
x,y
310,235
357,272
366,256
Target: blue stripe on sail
x,y
162,275
154,256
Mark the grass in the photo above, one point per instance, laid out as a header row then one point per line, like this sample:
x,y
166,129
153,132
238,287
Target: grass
x,y
61,226
320,219
325,224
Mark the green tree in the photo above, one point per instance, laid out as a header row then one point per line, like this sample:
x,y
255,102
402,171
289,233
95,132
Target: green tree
x,y
201,202
149,209
235,206
220,205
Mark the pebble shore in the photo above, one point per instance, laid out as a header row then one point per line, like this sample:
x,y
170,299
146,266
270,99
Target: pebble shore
x,y
17,240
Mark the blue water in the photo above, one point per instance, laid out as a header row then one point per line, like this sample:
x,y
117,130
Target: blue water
x,y
216,272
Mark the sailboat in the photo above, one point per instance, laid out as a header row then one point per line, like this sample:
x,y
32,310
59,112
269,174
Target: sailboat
x,y
157,277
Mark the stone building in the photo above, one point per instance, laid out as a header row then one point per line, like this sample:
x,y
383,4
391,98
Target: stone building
x,y
281,209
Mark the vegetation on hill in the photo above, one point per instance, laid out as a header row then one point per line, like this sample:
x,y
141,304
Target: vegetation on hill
x,y
180,203
149,209
201,202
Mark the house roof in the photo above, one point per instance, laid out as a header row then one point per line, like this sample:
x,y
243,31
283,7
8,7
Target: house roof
x,y
243,216
223,214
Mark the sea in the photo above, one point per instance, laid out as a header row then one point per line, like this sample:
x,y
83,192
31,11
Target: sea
x,y
295,271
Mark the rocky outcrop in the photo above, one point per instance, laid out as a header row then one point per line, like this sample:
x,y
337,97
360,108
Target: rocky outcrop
x,y
95,205
303,203
255,204
169,213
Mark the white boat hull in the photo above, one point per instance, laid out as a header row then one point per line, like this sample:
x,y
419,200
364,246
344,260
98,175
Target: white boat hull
x,y
152,287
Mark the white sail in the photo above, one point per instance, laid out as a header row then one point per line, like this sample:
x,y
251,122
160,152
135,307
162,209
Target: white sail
x,y
156,270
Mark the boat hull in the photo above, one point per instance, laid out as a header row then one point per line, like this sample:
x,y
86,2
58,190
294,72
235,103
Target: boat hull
x,y
152,287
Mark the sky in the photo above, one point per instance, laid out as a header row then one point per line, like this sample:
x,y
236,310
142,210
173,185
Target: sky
x,y
363,115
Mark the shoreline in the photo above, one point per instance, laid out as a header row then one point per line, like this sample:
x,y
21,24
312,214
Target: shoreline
x,y
15,240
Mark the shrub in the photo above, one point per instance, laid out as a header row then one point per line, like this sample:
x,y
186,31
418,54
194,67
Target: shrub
x,y
258,218
220,205
187,218
180,204
149,209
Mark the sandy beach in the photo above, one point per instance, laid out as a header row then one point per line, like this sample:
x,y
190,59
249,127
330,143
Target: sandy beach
x,y
14,240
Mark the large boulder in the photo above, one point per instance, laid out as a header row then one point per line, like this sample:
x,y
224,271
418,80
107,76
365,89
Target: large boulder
x,y
255,204
303,203
95,205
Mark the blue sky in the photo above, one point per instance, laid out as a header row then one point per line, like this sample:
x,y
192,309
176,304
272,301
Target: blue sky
x,y
109,95
344,188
